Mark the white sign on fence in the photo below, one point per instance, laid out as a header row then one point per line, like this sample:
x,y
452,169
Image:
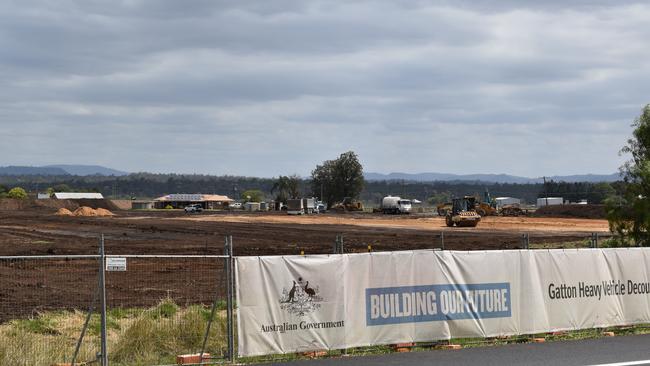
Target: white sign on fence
x,y
116,264
300,303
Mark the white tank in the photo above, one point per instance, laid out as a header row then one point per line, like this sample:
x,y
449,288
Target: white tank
x,y
395,205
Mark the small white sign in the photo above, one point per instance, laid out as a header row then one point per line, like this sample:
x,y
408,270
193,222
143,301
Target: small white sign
x,y
116,264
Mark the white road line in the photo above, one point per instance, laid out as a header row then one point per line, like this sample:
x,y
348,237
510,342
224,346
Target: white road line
x,y
630,363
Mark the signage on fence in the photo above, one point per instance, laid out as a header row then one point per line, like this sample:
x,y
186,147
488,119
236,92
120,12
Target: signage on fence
x,y
298,303
116,264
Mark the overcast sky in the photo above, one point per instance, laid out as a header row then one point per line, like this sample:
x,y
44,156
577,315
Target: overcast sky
x,y
263,88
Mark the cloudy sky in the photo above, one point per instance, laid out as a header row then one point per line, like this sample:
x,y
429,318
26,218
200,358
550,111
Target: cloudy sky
x,y
263,88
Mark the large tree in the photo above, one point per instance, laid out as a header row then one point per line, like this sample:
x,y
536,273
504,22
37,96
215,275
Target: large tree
x,y
336,179
286,187
629,213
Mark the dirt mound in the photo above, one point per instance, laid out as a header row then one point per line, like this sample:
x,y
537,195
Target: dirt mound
x,y
103,203
103,212
85,211
122,204
577,211
64,212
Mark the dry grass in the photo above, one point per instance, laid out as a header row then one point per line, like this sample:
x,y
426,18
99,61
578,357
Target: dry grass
x,y
135,336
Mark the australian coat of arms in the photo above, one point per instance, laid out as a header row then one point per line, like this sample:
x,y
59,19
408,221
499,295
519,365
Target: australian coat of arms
x,y
301,298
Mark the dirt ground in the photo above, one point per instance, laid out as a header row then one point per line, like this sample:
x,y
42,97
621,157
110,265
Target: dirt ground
x,y
29,286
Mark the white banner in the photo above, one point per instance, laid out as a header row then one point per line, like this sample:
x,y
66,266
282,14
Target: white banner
x,y
301,303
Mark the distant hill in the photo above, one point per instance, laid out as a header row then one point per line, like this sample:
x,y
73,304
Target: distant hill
x,y
88,170
492,178
82,170
31,170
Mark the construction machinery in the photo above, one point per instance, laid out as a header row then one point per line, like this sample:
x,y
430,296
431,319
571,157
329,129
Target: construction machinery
x,y
443,208
463,212
512,210
485,209
348,204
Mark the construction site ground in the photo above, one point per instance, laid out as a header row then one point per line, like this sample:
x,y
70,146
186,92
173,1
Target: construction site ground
x,y
27,287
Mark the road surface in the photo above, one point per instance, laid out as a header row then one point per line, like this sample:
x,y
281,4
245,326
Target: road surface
x,y
608,351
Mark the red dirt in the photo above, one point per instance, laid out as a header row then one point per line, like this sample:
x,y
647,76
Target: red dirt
x,y
30,286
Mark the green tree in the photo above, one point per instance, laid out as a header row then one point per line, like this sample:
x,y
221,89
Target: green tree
x,y
59,188
17,193
255,195
440,197
337,179
286,187
629,213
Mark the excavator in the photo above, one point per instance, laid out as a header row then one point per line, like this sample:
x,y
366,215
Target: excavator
x,y
463,212
487,207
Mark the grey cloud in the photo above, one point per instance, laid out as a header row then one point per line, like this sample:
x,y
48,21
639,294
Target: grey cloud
x,y
178,86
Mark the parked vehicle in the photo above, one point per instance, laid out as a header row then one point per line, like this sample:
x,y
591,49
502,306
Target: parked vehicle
x,y
295,207
321,207
194,208
395,205
235,205
308,205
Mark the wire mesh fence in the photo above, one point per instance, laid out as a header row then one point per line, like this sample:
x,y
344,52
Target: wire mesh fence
x,y
157,307
118,310
161,306
44,302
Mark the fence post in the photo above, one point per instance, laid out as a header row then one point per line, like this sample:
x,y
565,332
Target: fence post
x,y
595,240
525,241
229,300
442,240
102,300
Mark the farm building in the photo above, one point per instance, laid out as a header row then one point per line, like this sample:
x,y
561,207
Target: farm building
x,y
142,205
207,201
77,196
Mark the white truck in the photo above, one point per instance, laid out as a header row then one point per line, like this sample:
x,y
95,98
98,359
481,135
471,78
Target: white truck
x,y
395,205
309,205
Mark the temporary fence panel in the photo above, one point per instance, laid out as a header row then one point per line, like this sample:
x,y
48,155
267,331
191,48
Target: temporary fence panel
x,y
161,306
301,303
44,303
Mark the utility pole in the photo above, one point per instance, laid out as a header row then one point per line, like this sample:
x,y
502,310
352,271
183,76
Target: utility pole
x,y
545,191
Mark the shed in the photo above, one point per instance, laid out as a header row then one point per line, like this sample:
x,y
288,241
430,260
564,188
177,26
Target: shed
x,y
142,205
252,206
78,196
550,201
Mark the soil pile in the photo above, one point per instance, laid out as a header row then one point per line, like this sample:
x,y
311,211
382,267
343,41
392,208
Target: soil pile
x,y
85,211
95,204
103,212
578,211
64,212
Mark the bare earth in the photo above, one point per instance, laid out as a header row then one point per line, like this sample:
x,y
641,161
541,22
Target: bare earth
x,y
30,286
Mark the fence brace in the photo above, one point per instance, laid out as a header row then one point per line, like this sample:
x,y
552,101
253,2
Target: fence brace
x,y
230,282
102,300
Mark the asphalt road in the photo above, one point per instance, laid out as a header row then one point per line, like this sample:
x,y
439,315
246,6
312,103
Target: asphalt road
x,y
610,351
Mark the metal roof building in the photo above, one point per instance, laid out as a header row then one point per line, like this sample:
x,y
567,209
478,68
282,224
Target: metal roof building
x,y
78,196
